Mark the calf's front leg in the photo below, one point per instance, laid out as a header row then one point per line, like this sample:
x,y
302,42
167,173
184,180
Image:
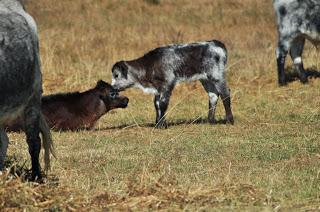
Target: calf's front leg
x,y
161,103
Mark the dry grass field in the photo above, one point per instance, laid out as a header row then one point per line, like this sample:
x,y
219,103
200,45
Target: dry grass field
x,y
268,160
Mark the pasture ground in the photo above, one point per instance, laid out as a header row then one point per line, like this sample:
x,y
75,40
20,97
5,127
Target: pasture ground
x,y
269,160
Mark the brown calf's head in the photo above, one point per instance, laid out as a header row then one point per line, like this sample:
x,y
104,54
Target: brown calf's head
x,y
110,96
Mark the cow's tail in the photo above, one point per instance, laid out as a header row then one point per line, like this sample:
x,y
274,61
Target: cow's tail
x,y
46,142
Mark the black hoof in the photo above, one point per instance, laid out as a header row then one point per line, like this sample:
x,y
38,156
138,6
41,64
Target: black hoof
x,y
35,177
282,81
161,125
281,84
304,80
230,120
212,121
36,180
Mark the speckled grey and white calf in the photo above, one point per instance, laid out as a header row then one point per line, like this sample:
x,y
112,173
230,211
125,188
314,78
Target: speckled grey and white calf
x,y
159,70
20,81
297,20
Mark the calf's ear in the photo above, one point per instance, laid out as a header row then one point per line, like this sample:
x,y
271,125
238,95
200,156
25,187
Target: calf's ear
x,y
124,69
101,85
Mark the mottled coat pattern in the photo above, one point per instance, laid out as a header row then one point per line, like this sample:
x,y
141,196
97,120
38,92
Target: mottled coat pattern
x,y
297,20
159,70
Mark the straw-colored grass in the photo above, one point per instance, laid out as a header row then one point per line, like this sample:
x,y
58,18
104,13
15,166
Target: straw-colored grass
x,y
269,160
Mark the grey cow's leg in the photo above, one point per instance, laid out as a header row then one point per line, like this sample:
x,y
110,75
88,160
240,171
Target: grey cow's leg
x,y
282,51
32,130
161,103
213,99
296,55
4,140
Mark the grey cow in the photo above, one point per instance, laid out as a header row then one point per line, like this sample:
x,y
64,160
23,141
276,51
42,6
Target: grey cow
x,y
297,20
20,82
159,70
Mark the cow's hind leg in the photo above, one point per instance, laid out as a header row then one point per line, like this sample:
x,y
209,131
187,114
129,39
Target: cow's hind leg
x,y
296,55
213,99
3,147
32,129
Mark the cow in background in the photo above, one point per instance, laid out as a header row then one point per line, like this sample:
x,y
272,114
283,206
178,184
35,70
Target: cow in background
x,y
297,21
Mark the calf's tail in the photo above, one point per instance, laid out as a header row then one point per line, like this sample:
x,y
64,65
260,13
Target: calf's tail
x,y
46,141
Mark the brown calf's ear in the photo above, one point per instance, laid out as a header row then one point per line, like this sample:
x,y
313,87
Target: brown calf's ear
x,y
101,85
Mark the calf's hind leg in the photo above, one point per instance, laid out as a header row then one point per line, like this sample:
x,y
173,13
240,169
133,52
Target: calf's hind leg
x,y
32,130
224,92
213,99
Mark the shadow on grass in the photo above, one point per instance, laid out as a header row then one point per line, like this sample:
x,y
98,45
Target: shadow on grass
x,y
292,75
177,122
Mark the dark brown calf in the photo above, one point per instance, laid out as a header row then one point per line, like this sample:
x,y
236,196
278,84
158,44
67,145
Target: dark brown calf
x,y
74,111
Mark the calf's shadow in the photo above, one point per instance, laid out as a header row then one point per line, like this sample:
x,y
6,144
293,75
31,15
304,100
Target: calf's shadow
x,y
177,122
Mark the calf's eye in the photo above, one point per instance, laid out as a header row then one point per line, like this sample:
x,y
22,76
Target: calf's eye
x,y
113,94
